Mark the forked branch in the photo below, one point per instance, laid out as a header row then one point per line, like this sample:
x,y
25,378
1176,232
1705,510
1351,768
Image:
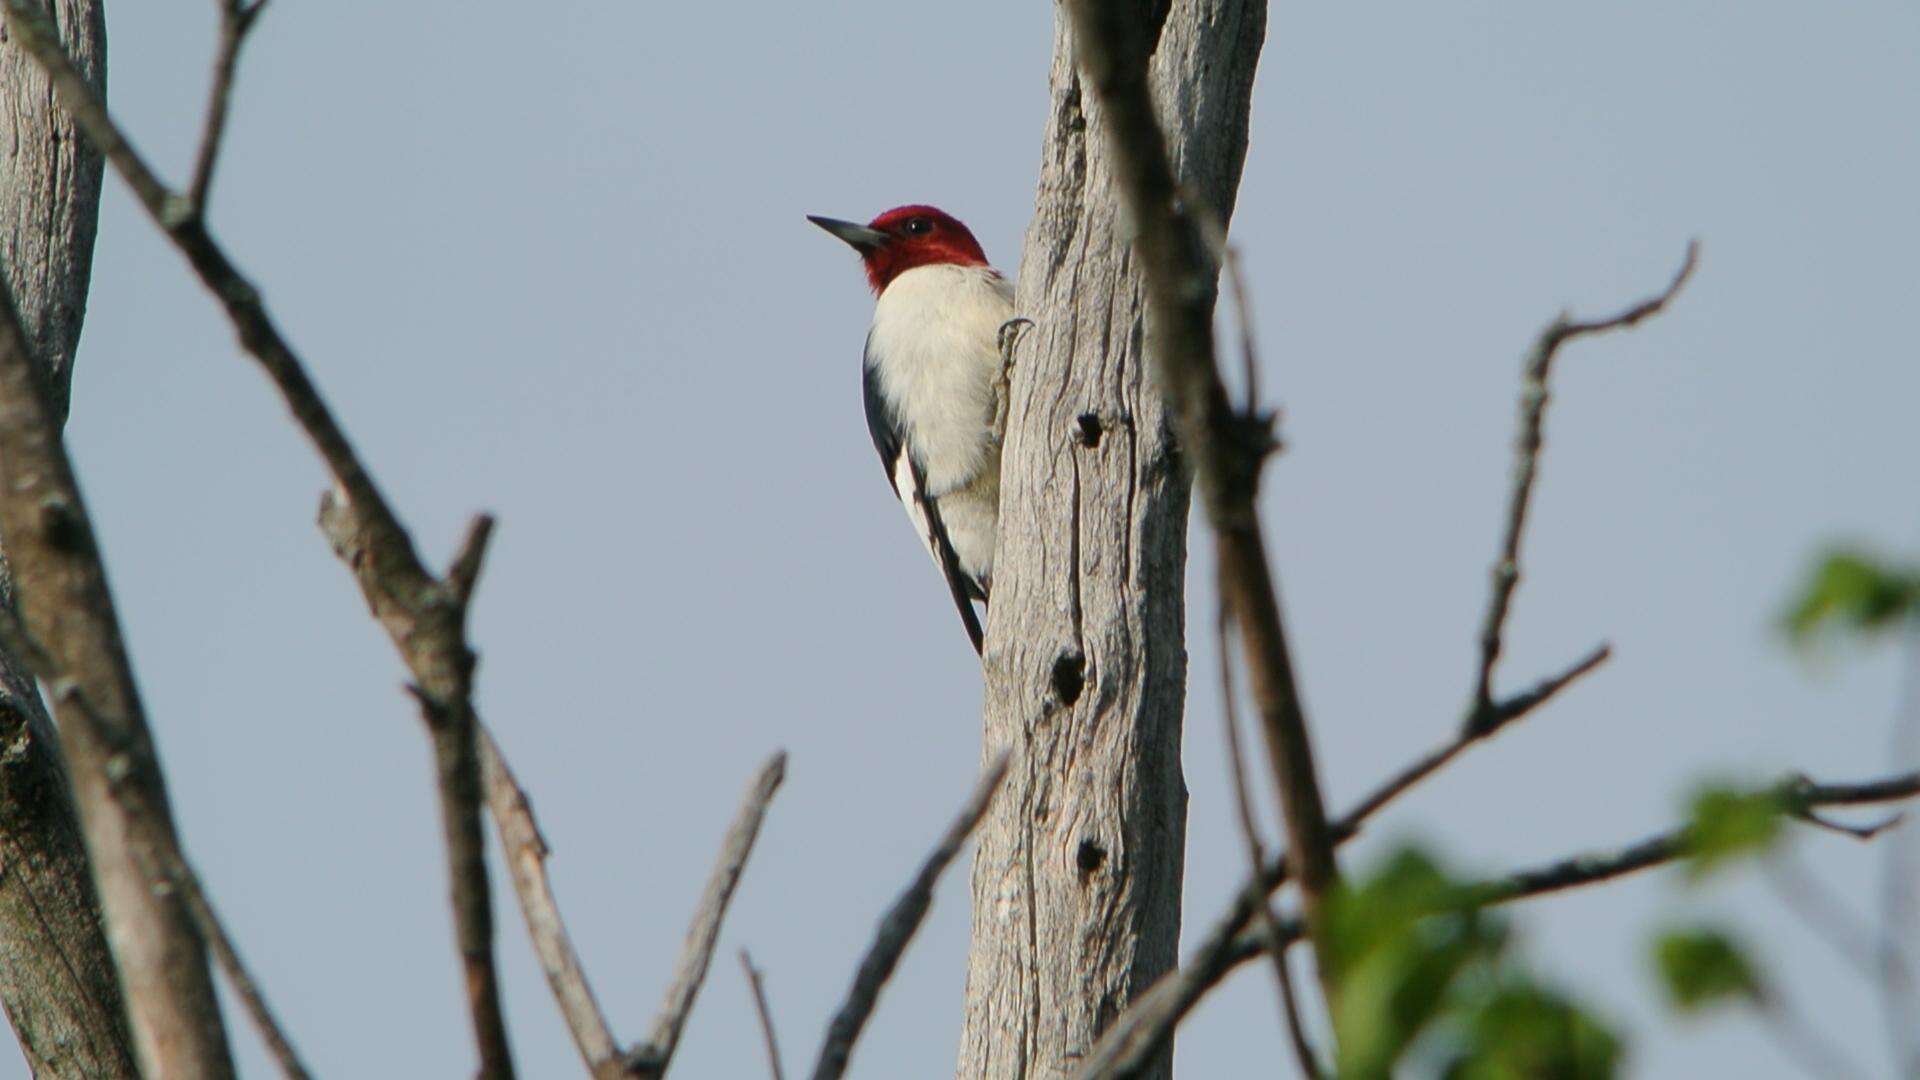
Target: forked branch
x,y
1534,396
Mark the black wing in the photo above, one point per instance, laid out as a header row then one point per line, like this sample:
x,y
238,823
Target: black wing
x,y
890,441
887,436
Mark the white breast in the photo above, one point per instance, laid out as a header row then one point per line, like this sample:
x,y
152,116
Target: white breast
x,y
935,346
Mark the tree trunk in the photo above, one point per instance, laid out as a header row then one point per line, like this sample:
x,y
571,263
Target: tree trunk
x,y
56,975
1076,886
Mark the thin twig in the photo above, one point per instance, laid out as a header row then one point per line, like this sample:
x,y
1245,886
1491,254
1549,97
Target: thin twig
x,y
525,851
236,20
424,616
1264,918
182,878
464,570
766,1015
1526,465
1858,832
652,1058
897,928
1132,1042
1227,449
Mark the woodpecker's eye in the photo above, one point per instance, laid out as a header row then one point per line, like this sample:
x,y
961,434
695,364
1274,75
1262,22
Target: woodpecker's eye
x,y
918,226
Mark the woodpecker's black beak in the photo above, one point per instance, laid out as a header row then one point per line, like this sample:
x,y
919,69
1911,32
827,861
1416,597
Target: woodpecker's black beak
x,y
862,238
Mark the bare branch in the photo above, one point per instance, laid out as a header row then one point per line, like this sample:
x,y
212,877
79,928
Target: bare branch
x,y
653,1057
1526,467
66,607
1858,832
1264,918
766,1015
236,20
526,858
1227,449
1806,794
178,875
898,926
464,571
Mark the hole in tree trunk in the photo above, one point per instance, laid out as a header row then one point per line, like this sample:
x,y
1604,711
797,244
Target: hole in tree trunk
x,y
1069,677
1088,430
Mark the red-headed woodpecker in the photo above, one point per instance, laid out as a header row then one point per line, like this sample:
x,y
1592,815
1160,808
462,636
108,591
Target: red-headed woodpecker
x,y
935,385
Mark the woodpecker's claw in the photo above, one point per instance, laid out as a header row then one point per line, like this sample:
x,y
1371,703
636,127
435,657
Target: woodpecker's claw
x,y
1010,332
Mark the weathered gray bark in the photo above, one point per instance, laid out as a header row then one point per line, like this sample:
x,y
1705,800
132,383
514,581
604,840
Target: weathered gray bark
x,y
1076,887
50,193
56,975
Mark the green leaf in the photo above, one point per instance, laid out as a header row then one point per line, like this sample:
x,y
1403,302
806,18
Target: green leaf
x,y
1392,995
1400,936
1373,909
1850,590
1702,967
1523,1030
1727,823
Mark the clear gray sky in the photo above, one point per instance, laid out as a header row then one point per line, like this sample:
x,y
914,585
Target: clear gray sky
x,y
550,261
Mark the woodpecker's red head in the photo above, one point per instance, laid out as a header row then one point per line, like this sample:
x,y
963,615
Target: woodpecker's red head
x,y
906,237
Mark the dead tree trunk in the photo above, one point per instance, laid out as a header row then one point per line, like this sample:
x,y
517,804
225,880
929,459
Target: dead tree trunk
x,y
56,975
1076,887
